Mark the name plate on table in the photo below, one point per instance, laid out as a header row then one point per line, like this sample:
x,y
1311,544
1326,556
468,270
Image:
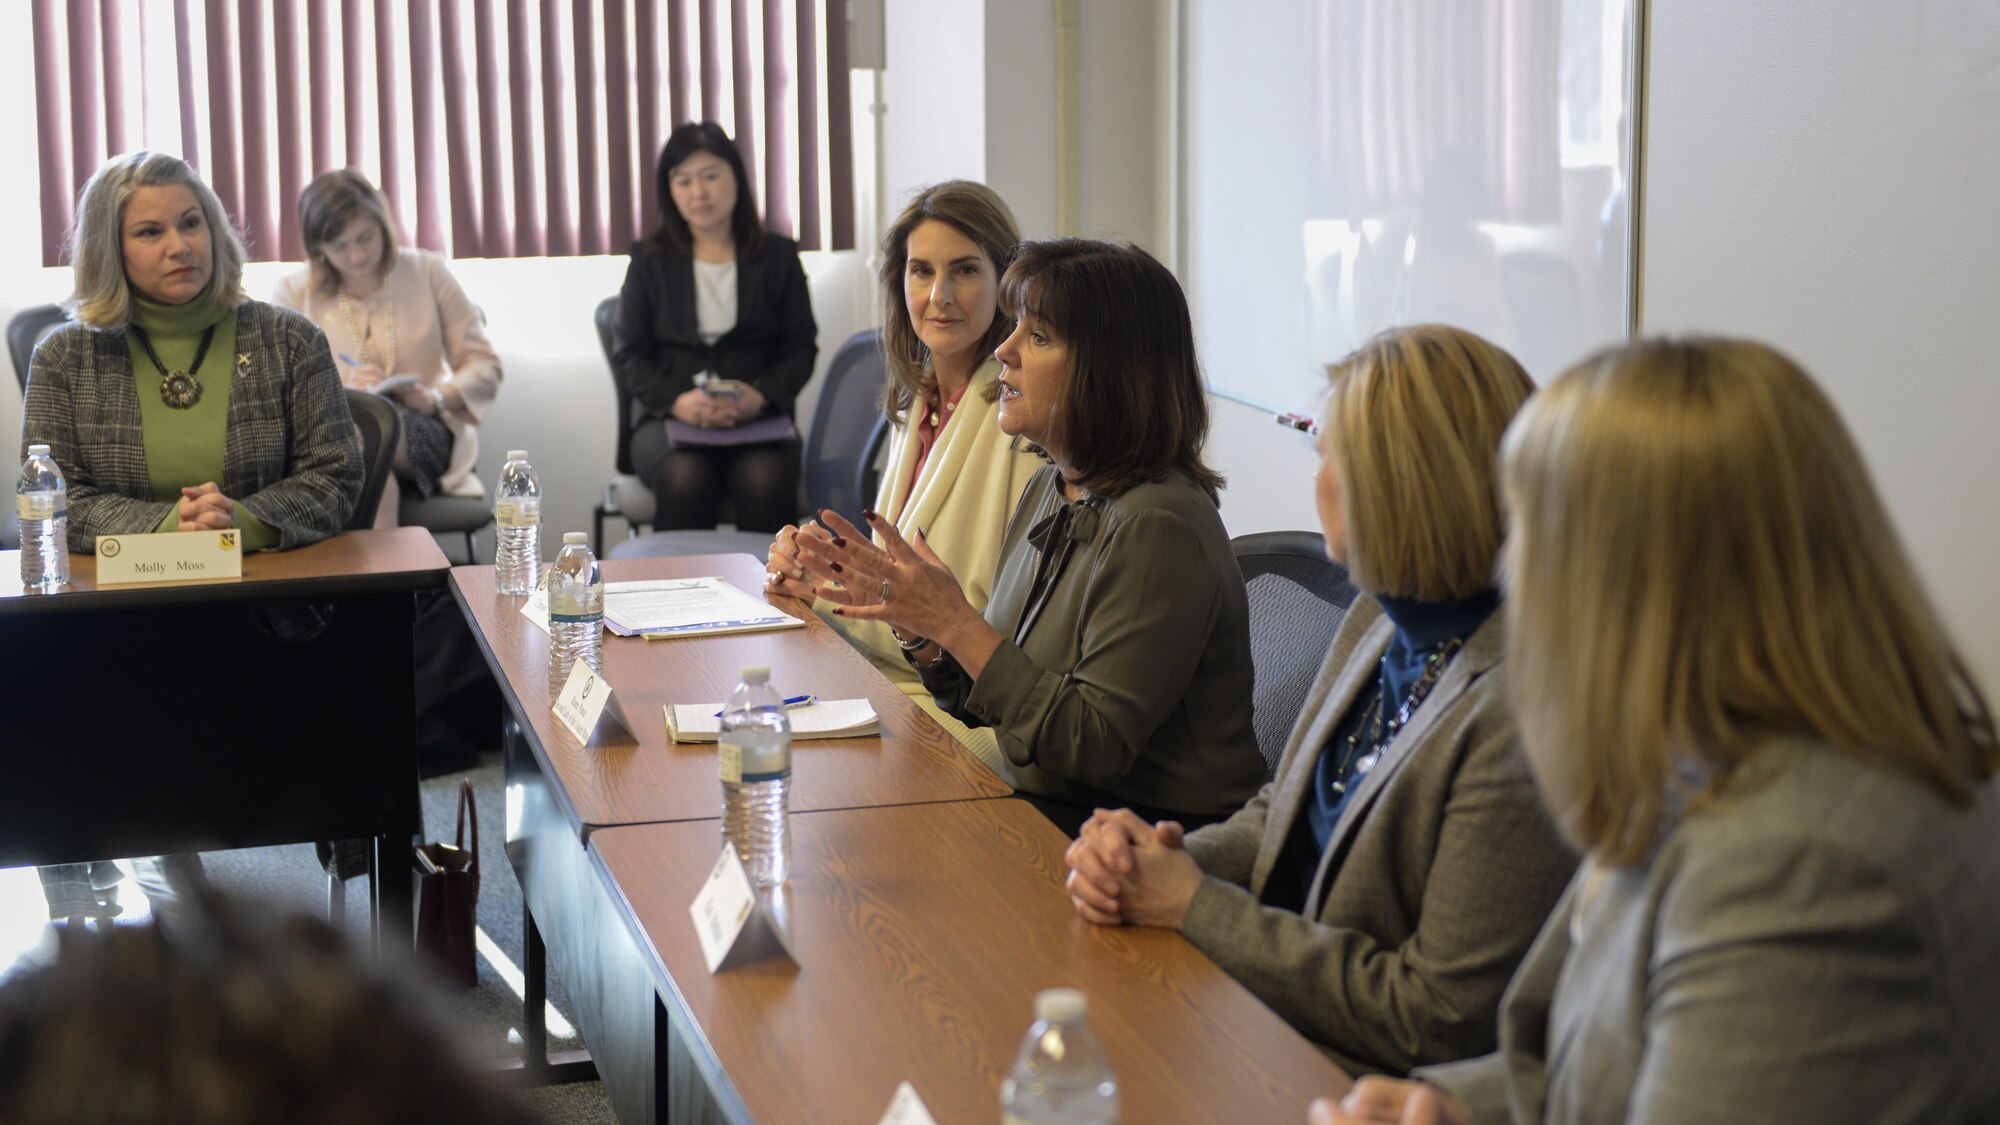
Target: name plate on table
x,y
584,700
170,556
906,1108
732,921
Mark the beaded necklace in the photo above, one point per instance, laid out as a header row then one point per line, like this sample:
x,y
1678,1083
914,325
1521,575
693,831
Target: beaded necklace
x,y
388,325
1355,765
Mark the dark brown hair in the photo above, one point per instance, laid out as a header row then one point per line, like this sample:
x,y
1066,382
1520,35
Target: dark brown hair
x,y
973,210
746,230
327,206
1133,407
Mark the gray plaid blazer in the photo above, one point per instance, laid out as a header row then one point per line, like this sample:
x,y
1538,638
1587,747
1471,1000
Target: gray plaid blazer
x,y
1442,867
291,456
1816,944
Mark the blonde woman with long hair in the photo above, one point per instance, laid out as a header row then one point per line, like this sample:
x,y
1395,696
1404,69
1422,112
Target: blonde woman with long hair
x,y
1740,705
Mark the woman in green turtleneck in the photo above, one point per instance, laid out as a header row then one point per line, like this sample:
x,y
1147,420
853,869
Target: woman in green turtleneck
x,y
175,403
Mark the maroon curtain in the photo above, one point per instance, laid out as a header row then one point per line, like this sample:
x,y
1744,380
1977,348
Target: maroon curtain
x,y
505,128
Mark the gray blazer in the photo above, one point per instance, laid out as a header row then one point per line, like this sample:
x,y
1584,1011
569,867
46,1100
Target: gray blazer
x,y
291,456
1441,869
1129,684
1818,945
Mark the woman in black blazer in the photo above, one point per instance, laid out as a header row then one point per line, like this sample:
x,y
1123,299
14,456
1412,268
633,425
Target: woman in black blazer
x,y
714,333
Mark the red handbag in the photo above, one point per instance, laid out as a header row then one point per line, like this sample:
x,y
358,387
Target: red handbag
x,y
447,889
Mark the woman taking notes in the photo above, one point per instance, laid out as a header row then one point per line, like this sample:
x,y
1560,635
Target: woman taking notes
x,y
951,471
389,310
1381,890
1740,705
714,331
175,403
1113,659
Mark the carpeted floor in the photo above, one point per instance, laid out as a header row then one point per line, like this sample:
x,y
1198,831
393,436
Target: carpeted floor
x,y
484,1019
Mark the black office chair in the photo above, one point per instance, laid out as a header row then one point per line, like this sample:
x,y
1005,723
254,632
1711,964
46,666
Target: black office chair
x,y
25,331
381,431
841,449
1297,598
440,514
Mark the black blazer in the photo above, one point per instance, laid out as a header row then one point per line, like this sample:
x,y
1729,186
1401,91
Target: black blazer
x,y
658,351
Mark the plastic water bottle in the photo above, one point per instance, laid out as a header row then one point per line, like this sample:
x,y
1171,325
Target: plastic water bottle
x,y
1061,1074
517,515
756,753
576,611
42,503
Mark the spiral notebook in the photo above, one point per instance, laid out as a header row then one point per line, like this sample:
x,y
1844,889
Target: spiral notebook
x,y
828,718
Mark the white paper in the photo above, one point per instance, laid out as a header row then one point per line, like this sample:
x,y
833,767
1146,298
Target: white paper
x,y
584,700
906,1108
689,607
730,921
828,718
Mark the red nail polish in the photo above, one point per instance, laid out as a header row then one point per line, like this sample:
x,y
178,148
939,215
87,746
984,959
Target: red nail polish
x,y
839,542
838,569
871,514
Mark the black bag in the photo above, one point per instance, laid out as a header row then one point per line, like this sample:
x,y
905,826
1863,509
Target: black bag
x,y
447,889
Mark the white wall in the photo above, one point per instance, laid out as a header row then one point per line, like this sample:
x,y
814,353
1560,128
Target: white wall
x,y
1822,174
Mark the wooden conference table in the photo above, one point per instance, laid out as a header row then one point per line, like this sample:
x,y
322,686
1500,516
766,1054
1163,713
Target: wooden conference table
x,y
274,708
928,909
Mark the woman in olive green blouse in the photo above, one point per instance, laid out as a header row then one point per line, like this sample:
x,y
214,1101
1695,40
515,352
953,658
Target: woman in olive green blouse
x,y
1113,658
173,403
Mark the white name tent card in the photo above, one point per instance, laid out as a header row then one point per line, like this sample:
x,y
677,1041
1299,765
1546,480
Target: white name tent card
x,y
828,718
170,556
732,921
906,1108
584,700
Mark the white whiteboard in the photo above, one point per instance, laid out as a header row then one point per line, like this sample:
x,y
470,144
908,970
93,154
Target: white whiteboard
x,y
1353,165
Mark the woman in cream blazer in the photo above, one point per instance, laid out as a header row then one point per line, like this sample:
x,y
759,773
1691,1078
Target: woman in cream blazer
x,y
951,474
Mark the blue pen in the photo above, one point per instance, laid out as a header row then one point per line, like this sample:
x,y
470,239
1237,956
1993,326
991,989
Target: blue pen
x,y
792,702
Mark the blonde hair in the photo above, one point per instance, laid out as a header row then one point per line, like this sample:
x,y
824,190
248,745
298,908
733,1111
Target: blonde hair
x,y
1698,564
973,210
1413,423
103,297
326,207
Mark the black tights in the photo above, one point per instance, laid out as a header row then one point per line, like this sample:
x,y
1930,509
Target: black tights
x,y
688,483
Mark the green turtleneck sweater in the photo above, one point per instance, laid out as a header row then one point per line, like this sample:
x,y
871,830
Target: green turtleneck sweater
x,y
185,447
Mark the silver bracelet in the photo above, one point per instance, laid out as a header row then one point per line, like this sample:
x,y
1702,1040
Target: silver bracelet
x,y
910,645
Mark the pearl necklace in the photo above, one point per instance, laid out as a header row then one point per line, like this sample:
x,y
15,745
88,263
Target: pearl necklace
x,y
388,326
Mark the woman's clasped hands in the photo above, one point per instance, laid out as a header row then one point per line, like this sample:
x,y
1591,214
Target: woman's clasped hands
x,y
1124,870
203,507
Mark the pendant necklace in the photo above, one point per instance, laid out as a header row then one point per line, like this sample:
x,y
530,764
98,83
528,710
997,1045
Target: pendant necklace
x,y
178,389
1380,733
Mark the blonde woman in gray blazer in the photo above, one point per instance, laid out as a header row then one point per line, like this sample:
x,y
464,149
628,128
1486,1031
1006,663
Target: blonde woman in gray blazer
x,y
1379,892
1738,702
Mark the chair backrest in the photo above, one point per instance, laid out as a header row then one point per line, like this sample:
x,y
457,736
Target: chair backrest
x,y
607,315
1297,598
847,429
25,331
381,432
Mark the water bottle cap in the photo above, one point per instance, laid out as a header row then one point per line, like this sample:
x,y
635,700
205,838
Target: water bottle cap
x,y
517,455
38,451
756,674
1060,1005
582,537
